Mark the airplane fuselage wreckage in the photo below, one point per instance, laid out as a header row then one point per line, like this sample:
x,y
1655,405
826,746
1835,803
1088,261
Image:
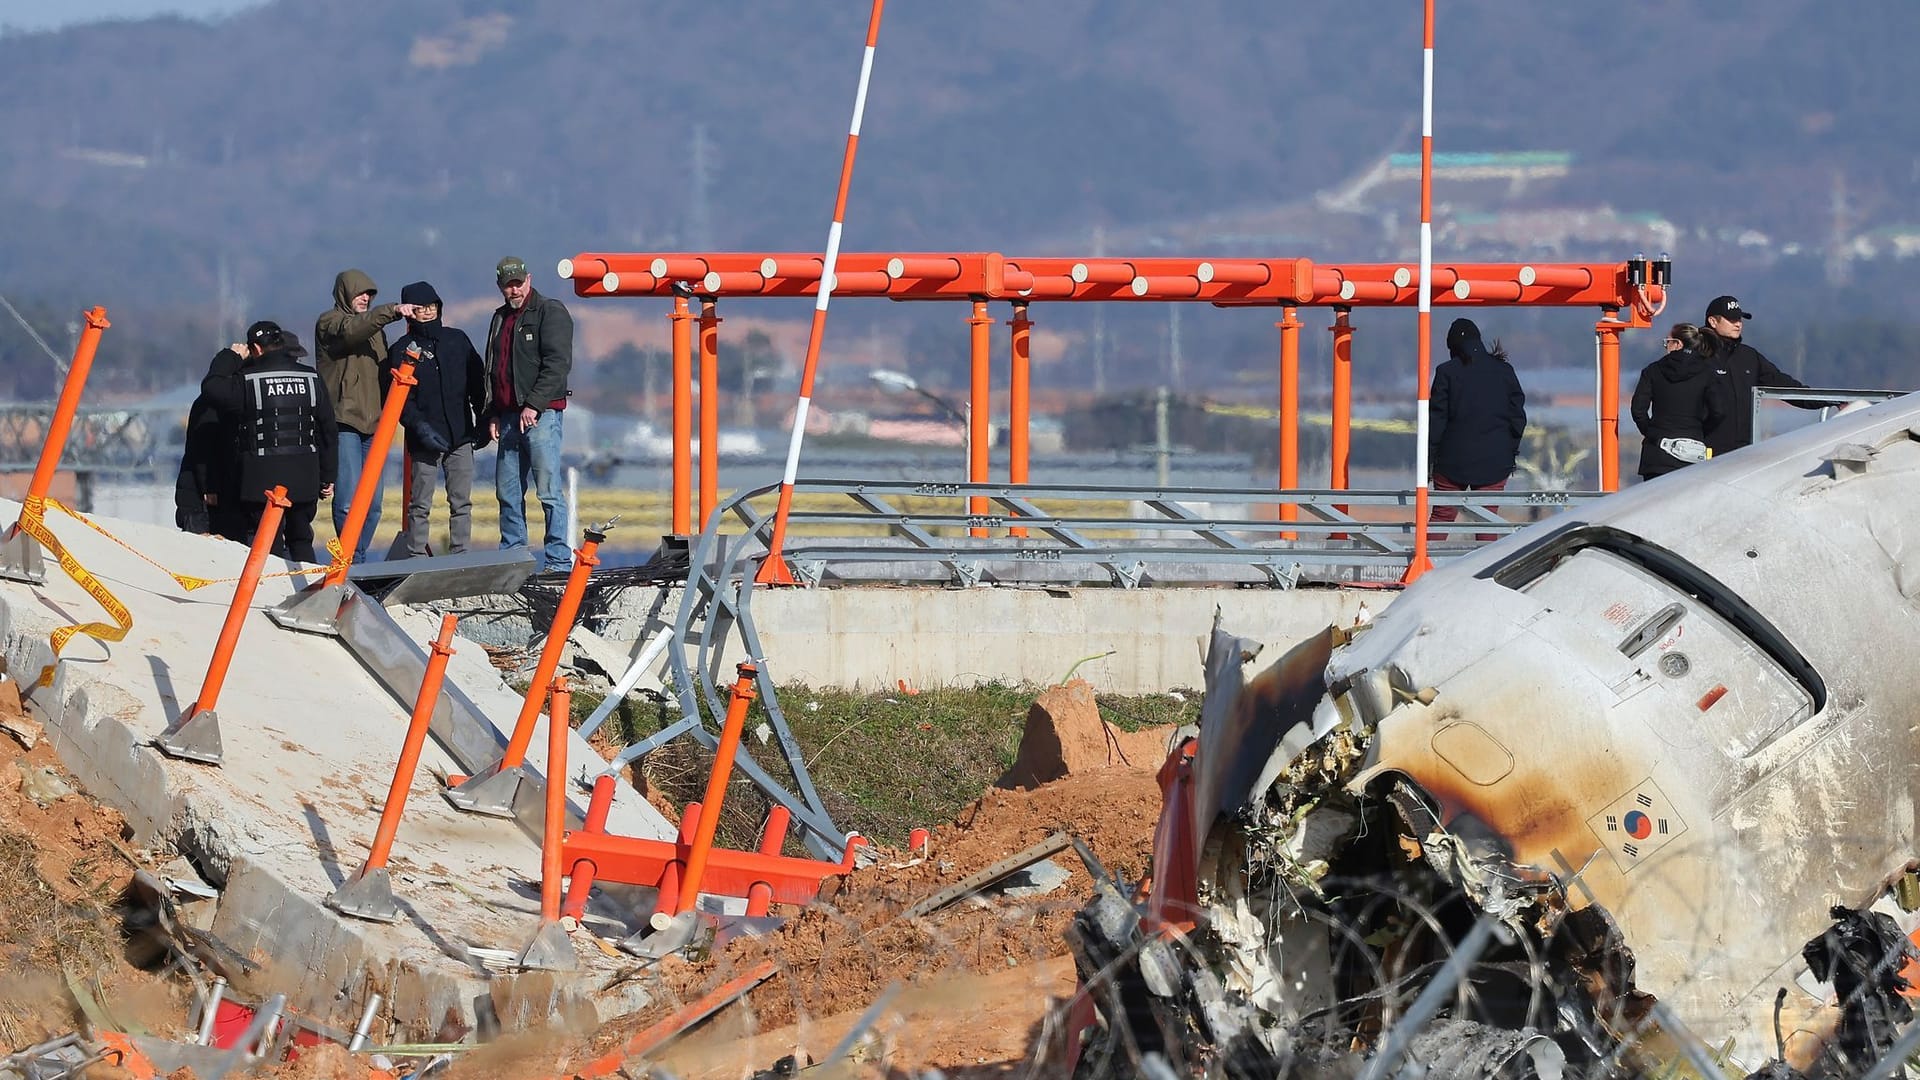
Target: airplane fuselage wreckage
x,y
1632,790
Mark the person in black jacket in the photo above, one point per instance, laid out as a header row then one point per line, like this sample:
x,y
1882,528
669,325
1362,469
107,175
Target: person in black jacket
x,y
1476,416
1738,367
1676,398
529,355
444,418
284,434
206,494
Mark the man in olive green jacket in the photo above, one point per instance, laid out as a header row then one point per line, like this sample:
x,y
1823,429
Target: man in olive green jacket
x,y
351,344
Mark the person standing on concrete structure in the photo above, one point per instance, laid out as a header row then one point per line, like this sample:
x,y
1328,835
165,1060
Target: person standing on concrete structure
x,y
444,418
528,358
206,495
285,434
1676,398
1477,414
1739,367
352,344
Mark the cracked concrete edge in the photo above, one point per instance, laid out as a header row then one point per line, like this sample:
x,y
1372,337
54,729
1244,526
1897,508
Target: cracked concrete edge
x,y
323,962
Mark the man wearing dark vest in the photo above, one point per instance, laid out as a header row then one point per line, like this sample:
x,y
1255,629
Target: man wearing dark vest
x,y
285,434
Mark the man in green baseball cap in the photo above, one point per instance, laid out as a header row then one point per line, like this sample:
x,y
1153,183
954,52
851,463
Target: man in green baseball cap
x,y
529,354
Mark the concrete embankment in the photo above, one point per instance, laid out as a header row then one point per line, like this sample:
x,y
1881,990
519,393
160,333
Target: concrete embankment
x,y
1141,641
310,739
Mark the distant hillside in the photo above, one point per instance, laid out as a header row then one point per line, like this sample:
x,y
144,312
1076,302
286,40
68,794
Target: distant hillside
x,y
171,162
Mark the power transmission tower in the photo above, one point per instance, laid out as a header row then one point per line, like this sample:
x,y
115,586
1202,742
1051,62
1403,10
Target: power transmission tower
x,y
699,224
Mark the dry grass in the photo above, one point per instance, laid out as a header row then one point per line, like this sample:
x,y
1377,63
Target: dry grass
x,y
39,930
647,515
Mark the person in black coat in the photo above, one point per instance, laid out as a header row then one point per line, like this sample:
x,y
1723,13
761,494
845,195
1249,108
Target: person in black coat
x,y
1677,397
206,494
1739,367
444,418
1477,413
284,434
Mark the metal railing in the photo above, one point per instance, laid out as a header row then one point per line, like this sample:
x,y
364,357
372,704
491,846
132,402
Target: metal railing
x,y
1803,397
1119,537
1122,536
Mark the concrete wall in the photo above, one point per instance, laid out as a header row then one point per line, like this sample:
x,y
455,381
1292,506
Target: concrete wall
x,y
874,637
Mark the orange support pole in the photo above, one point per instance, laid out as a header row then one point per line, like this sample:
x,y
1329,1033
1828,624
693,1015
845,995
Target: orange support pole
x,y
369,895
709,410
63,413
772,838
440,650
1289,326
743,696
376,463
1019,399
550,948
668,900
196,737
263,538
682,416
585,559
979,408
614,1063
581,874
1607,409
1342,396
559,713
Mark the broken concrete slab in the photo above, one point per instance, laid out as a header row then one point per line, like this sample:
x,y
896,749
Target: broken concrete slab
x,y
310,740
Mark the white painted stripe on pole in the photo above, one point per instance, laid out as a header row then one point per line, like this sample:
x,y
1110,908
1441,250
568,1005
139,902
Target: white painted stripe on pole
x,y
1426,95
1426,266
1420,447
860,95
827,268
793,442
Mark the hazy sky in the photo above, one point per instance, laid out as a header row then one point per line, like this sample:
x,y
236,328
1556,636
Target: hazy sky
x,y
47,14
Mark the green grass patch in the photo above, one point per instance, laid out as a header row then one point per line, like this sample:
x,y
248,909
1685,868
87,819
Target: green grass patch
x,y
883,763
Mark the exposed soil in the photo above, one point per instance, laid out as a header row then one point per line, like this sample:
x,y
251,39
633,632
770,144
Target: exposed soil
x,y
63,870
838,956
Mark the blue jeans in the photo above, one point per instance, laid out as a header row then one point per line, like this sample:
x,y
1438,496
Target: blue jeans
x,y
534,453
353,460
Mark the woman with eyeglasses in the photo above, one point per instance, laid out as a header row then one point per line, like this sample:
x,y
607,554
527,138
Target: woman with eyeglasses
x,y
1675,401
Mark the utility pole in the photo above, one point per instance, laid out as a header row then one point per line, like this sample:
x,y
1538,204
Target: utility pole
x,y
1162,444
1099,322
1173,346
1839,259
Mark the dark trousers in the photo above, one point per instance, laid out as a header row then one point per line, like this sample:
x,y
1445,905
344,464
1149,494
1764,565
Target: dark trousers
x,y
295,539
1452,513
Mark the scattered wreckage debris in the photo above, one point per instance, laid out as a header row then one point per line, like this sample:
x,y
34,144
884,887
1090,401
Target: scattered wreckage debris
x,y
1668,820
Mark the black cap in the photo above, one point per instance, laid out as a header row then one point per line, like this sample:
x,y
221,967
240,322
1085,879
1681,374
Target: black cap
x,y
1727,307
419,293
511,268
268,335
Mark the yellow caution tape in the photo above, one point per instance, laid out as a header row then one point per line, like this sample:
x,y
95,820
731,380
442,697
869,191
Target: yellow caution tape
x,y
33,523
188,581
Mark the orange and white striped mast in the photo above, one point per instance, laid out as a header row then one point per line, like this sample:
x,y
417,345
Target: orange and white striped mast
x,y
1421,497
774,569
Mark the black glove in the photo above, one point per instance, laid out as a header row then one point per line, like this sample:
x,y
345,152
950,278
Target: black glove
x,y
425,437
480,440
